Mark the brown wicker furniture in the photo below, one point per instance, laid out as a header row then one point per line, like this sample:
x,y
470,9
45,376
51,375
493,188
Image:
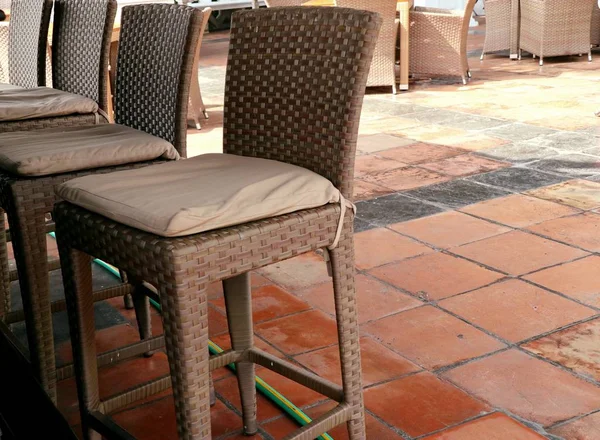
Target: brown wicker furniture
x,y
383,67
27,41
80,47
196,107
497,26
556,27
438,41
595,31
151,97
328,97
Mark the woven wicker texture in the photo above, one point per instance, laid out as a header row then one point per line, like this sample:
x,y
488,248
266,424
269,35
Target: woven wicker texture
x,y
154,73
556,27
3,53
382,71
295,82
595,31
284,3
27,201
81,31
497,25
28,37
438,41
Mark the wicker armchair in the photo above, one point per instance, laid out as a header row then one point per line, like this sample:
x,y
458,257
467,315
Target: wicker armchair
x,y
383,67
438,41
151,127
556,27
595,31
497,26
182,261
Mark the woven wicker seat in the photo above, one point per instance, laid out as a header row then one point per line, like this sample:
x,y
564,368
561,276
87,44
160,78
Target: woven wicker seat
x,y
552,28
259,78
81,41
438,41
151,96
383,67
595,31
497,26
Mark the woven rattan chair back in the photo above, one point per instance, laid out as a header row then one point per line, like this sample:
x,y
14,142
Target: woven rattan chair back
x,y
595,31
284,3
27,41
382,71
154,66
497,25
3,53
81,38
277,112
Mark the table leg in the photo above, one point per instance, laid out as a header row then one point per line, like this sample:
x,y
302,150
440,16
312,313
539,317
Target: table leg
x,y
515,28
404,11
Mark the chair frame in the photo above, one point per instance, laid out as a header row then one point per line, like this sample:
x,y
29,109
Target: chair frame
x,y
196,106
27,201
183,267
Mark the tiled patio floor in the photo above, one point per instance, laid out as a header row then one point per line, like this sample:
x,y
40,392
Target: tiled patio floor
x,y
478,232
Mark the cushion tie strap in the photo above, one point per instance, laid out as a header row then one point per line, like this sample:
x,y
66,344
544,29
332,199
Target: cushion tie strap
x,y
344,204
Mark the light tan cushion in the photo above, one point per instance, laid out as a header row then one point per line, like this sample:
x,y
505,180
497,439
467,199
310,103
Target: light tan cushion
x,y
4,87
203,193
61,150
42,102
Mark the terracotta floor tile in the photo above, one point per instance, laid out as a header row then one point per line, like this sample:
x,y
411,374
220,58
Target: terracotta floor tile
x,y
432,338
516,310
527,387
375,299
365,190
435,276
379,142
378,363
586,428
518,253
269,302
374,163
449,229
405,178
581,194
299,333
519,211
217,322
575,347
582,230
156,421
496,426
578,279
381,246
464,165
420,153
422,403
298,273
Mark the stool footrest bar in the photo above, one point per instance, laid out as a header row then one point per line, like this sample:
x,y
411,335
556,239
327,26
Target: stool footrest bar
x,y
322,424
137,393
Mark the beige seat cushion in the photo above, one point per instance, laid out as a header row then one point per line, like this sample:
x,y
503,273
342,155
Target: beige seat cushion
x,y
203,193
5,87
62,150
42,102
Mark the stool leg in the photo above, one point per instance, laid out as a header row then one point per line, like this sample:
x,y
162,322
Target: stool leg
x,y
77,279
28,233
342,263
4,270
185,320
141,304
238,302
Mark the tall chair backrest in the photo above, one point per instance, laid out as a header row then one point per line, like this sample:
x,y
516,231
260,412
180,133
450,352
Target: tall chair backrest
x,y
154,68
295,84
81,36
27,41
280,3
382,71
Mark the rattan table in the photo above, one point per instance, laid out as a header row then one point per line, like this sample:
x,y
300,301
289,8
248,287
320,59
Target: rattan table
x,y
403,10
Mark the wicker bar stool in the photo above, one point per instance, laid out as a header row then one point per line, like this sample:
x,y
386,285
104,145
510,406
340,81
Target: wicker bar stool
x,y
498,21
151,111
80,45
295,83
556,27
438,41
383,66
